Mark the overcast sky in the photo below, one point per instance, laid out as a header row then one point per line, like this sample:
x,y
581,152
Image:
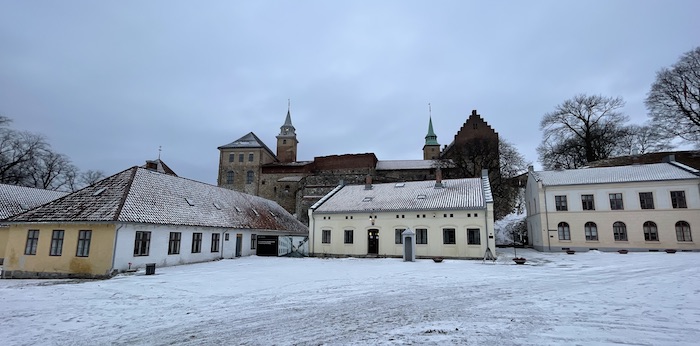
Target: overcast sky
x,y
107,83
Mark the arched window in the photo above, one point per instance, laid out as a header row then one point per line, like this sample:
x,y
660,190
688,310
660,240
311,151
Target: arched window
x,y
683,231
651,233
591,230
249,177
620,231
564,233
229,177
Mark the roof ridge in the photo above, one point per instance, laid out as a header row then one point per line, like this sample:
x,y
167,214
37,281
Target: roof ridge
x,y
126,193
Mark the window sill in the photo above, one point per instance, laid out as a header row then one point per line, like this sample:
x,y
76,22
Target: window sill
x,y
592,241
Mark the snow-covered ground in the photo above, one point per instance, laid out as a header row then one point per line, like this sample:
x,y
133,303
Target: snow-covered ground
x,y
556,299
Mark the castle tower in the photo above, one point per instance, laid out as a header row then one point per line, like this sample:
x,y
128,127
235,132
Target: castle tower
x,y
287,141
431,149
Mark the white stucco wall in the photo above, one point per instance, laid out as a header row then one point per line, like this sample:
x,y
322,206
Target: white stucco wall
x,y
543,216
387,222
160,236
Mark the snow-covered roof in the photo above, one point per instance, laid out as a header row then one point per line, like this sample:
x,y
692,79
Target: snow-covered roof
x,y
406,164
469,193
142,196
18,199
618,174
250,140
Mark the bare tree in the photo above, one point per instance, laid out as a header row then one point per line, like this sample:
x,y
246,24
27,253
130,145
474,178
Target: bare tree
x,y
90,177
17,151
642,139
27,160
581,130
500,158
674,99
51,171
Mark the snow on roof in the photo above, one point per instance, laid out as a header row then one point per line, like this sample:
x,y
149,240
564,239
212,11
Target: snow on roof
x,y
142,196
469,193
18,199
406,164
294,179
250,140
617,174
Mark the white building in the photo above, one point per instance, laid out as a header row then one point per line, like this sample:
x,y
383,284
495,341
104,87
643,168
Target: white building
x,y
648,207
137,217
451,218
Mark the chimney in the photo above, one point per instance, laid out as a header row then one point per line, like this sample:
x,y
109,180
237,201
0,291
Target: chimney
x,y
368,182
530,168
485,173
557,167
438,178
669,158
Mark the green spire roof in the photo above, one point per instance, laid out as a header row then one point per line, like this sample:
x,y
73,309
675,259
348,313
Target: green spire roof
x,y
431,138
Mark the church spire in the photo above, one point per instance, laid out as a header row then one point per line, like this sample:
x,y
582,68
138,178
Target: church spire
x,y
287,129
287,139
431,137
431,149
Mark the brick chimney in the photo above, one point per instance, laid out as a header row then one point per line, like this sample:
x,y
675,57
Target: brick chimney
x,y
438,178
368,182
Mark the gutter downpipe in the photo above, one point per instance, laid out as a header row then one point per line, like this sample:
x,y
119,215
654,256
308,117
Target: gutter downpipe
x,y
546,217
312,233
114,251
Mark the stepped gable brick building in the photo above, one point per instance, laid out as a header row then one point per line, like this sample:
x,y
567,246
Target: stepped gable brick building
x,y
250,166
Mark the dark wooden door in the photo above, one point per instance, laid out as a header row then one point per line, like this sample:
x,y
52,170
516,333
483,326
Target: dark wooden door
x,y
239,244
373,241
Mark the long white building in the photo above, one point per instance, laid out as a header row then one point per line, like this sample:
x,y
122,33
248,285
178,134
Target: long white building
x,y
451,218
651,207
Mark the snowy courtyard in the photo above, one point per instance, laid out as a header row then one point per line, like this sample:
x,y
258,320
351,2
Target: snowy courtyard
x,y
588,298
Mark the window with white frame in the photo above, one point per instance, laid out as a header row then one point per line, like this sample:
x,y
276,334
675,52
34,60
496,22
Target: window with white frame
x,y
587,202
174,243
560,203
253,241
215,239
678,199
347,239
84,238
683,231
616,201
421,236
591,231
448,236
564,231
398,235
56,243
473,236
32,242
646,200
142,243
196,242
651,233
619,231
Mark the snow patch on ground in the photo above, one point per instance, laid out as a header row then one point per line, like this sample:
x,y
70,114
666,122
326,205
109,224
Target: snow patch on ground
x,y
586,298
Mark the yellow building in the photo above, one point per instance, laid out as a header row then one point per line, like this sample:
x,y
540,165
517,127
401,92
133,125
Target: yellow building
x,y
137,217
18,199
649,207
